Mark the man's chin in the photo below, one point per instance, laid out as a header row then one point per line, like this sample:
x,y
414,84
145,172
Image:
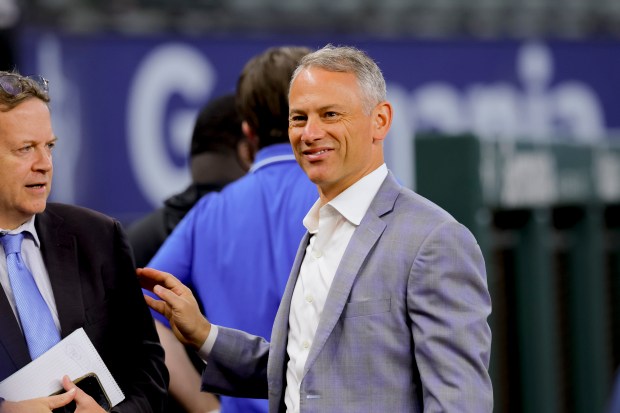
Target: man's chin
x,y
316,173
38,208
316,179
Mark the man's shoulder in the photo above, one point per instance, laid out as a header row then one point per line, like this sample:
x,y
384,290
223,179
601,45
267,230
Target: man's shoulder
x,y
61,208
410,203
282,177
153,224
419,202
74,213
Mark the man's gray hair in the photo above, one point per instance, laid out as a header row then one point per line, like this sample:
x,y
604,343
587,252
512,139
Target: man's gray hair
x,y
349,59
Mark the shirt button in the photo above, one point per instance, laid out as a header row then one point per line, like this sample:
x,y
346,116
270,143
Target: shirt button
x,y
309,298
317,254
305,344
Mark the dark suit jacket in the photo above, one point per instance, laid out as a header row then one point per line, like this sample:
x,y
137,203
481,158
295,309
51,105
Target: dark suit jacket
x,y
93,279
404,327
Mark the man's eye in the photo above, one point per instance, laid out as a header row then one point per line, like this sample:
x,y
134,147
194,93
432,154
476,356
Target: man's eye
x,y
25,148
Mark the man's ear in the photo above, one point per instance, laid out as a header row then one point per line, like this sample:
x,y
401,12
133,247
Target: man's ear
x,y
245,153
247,148
249,133
382,120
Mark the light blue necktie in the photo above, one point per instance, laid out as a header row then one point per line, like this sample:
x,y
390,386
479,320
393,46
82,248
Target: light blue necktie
x,y
35,316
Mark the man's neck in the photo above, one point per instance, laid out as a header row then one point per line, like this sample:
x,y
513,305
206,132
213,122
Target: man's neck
x,y
210,168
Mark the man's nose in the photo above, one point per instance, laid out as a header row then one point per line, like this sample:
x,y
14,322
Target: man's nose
x,y
43,160
312,130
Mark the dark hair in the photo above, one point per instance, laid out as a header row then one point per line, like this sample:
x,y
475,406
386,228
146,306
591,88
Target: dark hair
x,y
262,92
218,126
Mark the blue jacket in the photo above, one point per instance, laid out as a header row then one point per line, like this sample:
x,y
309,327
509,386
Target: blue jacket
x,y
235,248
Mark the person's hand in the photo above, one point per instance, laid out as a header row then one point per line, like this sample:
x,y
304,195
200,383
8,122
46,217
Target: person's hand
x,y
83,402
39,405
177,304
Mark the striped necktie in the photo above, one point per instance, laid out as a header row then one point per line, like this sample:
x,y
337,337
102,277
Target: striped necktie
x,y
34,314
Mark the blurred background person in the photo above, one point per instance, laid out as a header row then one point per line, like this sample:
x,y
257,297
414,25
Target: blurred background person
x,y
9,17
219,154
235,248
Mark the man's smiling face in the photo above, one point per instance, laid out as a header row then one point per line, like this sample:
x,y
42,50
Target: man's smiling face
x,y
332,135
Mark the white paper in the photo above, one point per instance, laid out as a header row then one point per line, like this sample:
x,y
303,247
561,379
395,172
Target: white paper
x,y
74,356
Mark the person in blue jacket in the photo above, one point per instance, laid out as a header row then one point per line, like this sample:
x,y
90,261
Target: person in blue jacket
x,y
235,248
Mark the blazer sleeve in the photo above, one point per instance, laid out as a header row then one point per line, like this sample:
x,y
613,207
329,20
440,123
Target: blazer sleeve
x,y
135,356
93,277
449,304
237,365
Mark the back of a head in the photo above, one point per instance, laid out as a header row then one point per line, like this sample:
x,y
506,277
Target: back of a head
x,y
262,92
15,88
218,127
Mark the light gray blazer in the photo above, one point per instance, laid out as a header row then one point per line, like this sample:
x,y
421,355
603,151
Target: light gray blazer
x,y
404,327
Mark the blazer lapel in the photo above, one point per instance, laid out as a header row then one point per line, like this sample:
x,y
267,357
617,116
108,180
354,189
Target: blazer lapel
x,y
279,334
11,339
60,258
60,255
364,238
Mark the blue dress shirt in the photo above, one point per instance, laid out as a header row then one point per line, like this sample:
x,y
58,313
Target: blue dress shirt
x,y
235,248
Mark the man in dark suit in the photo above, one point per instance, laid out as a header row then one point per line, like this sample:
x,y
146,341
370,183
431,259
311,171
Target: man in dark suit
x,y
80,261
386,306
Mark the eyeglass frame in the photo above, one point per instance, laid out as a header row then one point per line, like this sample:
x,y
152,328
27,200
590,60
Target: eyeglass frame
x,y
17,87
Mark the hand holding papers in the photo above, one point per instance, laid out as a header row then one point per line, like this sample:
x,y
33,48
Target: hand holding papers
x,y
74,356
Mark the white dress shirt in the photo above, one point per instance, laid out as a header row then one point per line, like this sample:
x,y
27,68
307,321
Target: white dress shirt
x,y
331,227
31,254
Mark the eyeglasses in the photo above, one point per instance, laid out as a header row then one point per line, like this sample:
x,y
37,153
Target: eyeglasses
x,y
13,84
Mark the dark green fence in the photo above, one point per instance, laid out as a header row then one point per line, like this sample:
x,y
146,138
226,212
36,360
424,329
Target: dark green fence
x,y
547,217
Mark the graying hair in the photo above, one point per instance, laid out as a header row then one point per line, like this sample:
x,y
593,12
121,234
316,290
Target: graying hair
x,y
29,89
349,59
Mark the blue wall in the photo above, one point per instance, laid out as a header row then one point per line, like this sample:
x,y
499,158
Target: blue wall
x,y
123,106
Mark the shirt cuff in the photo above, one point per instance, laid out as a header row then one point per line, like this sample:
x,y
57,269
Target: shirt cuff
x,y
207,346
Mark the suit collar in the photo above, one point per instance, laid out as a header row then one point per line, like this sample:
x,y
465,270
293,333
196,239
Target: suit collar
x,y
27,227
60,258
353,202
60,255
365,237
279,334
11,339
